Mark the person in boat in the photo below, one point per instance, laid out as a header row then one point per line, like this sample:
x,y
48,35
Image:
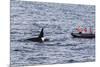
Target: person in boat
x,y
85,29
79,29
91,32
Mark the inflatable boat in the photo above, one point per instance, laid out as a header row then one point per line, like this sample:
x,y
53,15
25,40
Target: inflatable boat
x,y
83,35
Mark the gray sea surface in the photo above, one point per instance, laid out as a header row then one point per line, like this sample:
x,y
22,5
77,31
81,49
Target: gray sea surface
x,y
58,21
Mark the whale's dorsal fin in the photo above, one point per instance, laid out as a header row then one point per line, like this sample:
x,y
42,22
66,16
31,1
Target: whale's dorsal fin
x,y
41,34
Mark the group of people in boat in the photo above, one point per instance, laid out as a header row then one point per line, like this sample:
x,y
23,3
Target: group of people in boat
x,y
84,33
84,30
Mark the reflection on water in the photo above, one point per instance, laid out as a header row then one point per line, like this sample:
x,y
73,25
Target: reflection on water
x,y
58,20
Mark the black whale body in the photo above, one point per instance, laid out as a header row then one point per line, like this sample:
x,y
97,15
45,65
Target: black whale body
x,y
40,38
35,39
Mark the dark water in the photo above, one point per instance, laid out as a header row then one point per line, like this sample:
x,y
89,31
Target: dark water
x,y
58,20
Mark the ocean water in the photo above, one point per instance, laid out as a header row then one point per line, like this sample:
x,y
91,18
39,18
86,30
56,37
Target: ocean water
x,y
58,21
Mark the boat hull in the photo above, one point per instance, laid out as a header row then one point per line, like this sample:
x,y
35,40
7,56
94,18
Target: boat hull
x,y
77,35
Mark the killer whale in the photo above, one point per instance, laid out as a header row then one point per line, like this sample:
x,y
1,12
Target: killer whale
x,y
40,38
